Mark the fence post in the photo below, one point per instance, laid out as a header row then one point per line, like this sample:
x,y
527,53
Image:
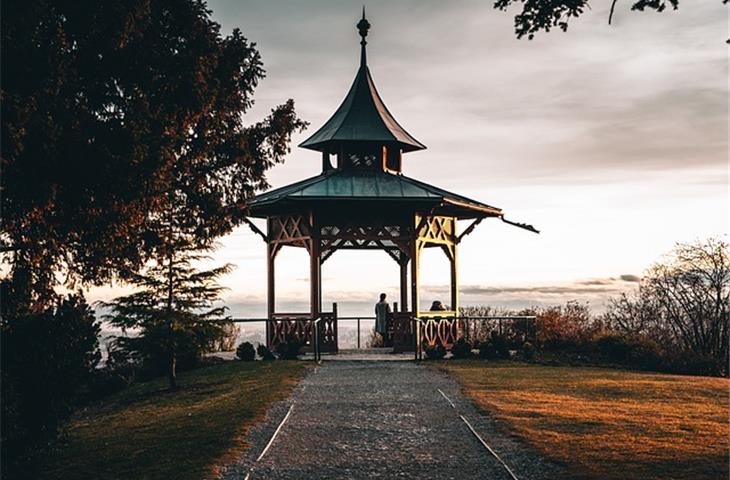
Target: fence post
x,y
358,334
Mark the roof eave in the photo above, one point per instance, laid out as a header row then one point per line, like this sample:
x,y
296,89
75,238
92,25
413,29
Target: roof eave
x,y
487,210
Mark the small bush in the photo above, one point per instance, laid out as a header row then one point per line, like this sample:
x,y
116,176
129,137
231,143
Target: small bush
x,y
614,348
528,351
290,349
646,354
487,351
635,351
501,347
49,364
435,352
246,352
265,353
461,349
694,364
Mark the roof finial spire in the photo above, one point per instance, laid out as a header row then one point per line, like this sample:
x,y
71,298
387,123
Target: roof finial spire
x,y
363,26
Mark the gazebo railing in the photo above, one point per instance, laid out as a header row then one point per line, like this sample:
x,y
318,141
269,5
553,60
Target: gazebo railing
x,y
408,333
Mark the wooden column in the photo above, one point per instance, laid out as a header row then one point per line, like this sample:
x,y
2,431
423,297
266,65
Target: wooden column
x,y
315,265
415,261
454,279
403,285
270,280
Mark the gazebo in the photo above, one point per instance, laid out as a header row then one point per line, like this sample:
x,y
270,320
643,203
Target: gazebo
x,y
362,200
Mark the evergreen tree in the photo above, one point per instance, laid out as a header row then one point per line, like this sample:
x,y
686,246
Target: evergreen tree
x,y
174,309
103,105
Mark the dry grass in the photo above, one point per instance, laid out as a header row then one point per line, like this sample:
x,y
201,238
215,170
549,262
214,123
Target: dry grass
x,y
149,432
608,424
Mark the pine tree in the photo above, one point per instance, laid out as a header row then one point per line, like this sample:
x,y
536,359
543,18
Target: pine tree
x,y
174,309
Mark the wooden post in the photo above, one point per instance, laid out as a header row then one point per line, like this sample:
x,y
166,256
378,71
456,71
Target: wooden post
x,y
314,279
334,327
454,279
415,258
271,283
403,285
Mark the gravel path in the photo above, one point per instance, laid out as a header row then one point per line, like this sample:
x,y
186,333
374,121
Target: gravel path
x,y
361,420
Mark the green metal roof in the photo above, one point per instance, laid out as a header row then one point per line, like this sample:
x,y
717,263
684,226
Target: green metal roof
x,y
373,185
362,117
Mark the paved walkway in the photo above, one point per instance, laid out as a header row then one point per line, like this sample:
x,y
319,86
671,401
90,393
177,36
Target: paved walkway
x,y
380,419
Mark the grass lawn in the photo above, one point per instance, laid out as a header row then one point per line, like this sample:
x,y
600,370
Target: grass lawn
x,y
149,432
608,424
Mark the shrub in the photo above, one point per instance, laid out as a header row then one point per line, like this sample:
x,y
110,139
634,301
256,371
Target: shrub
x,y
265,353
461,349
500,344
638,352
528,351
647,354
435,352
246,352
564,327
118,372
694,364
487,350
290,349
614,348
48,362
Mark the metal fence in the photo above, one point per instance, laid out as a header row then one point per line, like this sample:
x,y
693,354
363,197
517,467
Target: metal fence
x,y
429,328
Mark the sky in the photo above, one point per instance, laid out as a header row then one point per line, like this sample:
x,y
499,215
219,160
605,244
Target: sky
x,y
611,139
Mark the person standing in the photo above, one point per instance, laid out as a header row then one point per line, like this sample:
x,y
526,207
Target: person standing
x,y
382,311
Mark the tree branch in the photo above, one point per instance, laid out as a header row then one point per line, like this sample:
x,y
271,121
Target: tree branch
x,y
610,15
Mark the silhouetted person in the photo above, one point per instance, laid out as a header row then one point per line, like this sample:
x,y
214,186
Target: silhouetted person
x,y
382,311
437,306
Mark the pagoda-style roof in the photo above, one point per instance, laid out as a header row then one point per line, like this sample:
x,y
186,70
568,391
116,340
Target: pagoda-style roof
x,y
362,116
371,186
368,179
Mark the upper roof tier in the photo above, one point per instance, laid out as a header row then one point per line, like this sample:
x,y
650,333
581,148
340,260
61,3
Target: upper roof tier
x,y
362,116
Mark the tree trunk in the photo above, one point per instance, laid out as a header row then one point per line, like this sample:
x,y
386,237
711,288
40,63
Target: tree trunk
x,y
172,371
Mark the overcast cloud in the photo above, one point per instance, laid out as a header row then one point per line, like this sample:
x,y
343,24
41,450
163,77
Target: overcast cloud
x,y
612,140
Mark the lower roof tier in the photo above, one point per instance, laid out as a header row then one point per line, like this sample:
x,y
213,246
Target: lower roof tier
x,y
353,188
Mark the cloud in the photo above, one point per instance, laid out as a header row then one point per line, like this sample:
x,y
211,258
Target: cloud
x,y
630,278
647,94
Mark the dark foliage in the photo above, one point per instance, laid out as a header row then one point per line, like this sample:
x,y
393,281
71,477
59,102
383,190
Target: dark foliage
x,y
682,303
498,346
487,350
435,352
565,326
119,372
528,351
290,349
107,108
501,345
461,349
544,15
48,366
264,352
173,311
246,352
